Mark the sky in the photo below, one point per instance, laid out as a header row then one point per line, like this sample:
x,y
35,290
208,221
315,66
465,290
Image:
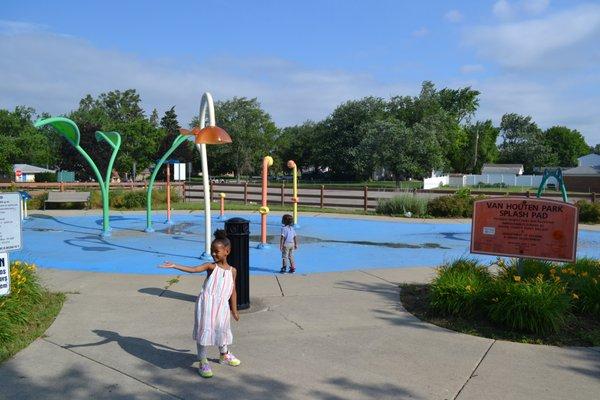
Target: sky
x,y
301,59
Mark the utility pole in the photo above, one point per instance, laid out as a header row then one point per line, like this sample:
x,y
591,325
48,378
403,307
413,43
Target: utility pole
x,y
476,142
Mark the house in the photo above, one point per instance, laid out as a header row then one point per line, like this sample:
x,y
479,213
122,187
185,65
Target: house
x,y
582,179
26,172
502,169
590,160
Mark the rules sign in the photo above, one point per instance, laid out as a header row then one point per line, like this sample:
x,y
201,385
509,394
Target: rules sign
x,y
527,228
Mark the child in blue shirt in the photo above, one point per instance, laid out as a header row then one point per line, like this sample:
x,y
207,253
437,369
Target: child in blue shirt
x,y
288,243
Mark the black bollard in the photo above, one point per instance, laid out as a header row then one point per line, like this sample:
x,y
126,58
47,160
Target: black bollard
x,y
238,233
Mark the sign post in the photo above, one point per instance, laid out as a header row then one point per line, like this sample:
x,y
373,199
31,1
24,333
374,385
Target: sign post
x,y
525,228
4,275
10,235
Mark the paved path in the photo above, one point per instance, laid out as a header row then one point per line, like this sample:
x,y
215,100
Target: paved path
x,y
323,336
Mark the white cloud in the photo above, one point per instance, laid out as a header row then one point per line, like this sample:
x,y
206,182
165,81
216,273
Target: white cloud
x,y
505,9
19,28
564,39
472,68
502,9
535,6
52,73
420,32
453,16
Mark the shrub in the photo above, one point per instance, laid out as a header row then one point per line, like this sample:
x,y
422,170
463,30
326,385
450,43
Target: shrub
x,y
400,205
537,306
582,280
531,269
15,308
588,212
461,288
448,206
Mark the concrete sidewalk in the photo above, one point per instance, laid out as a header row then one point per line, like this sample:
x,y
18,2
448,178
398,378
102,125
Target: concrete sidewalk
x,y
323,336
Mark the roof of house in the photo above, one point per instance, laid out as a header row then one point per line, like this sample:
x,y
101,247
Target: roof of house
x,y
589,159
583,171
502,169
30,169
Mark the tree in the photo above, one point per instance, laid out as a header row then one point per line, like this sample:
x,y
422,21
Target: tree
x,y
595,149
112,111
567,143
299,143
523,143
342,136
169,131
20,142
442,111
252,133
482,147
401,151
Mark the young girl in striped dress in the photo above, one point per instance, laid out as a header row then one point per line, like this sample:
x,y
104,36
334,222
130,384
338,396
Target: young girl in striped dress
x,y
216,304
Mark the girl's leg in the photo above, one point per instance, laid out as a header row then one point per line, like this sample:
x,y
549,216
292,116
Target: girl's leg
x,y
204,367
202,351
223,349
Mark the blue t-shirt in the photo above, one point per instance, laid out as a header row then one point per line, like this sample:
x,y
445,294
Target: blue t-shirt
x,y
288,234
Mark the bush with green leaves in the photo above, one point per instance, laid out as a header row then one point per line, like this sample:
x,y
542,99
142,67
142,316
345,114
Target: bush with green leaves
x,y
400,205
588,212
461,288
537,306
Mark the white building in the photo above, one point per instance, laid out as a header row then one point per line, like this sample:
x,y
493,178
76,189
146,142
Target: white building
x,y
590,160
26,172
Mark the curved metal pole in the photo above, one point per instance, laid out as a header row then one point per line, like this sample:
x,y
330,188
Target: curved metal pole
x,y
106,201
176,143
206,105
264,210
291,164
105,221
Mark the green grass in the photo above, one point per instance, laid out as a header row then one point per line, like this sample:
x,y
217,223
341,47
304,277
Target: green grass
x,y
27,312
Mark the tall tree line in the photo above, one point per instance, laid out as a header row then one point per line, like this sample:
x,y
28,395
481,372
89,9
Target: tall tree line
x,y
397,138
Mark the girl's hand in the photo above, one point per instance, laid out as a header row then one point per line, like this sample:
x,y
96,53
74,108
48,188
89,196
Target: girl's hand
x,y
235,315
295,247
167,264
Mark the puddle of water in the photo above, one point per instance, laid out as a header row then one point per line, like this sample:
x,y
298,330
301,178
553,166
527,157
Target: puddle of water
x,y
273,239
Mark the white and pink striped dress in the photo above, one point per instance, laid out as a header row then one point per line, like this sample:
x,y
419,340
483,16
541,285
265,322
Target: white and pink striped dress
x,y
212,322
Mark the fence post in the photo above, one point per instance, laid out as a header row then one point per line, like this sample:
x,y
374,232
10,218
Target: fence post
x,y
366,193
322,195
211,191
528,194
282,194
245,192
184,193
594,197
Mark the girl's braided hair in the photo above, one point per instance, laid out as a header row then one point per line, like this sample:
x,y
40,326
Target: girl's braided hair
x,y
221,238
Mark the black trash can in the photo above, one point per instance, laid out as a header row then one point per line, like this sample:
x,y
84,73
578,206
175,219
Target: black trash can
x,y
238,233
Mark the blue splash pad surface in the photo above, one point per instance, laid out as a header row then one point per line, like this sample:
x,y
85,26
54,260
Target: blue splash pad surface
x,y
326,244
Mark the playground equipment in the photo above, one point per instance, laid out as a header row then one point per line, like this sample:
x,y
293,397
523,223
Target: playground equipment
x,y
181,138
210,134
201,136
292,165
222,213
24,197
264,209
69,130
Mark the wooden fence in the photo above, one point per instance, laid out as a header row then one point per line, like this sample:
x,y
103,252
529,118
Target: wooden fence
x,y
38,187
363,198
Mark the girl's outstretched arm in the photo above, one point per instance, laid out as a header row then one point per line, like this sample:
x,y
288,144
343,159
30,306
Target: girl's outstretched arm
x,y
233,298
198,268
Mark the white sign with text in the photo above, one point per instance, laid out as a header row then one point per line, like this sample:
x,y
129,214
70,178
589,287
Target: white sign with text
x,y
4,274
10,221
